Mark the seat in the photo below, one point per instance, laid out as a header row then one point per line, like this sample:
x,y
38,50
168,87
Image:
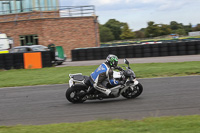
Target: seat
x,y
78,77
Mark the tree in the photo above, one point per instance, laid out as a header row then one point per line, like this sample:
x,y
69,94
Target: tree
x,y
187,28
174,25
152,30
115,27
165,29
126,32
180,32
139,34
196,28
105,34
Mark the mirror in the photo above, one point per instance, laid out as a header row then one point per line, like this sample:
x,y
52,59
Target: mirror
x,y
126,61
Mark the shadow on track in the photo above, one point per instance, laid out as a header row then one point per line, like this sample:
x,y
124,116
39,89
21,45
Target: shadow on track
x,y
106,101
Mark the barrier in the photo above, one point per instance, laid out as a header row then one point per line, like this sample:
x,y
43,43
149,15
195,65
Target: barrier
x,y
138,51
46,59
130,52
147,52
164,49
18,61
155,50
198,47
1,61
181,48
32,60
25,60
90,54
172,49
97,53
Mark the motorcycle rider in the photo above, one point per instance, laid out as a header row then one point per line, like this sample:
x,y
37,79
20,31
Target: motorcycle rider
x,y
105,72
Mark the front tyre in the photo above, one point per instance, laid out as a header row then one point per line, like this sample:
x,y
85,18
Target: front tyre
x,y
133,92
74,93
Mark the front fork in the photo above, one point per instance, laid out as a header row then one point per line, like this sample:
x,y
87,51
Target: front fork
x,y
131,85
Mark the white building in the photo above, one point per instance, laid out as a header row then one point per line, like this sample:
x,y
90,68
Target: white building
x,y
195,33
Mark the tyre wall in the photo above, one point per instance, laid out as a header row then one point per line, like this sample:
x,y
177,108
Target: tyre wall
x,y
17,60
138,51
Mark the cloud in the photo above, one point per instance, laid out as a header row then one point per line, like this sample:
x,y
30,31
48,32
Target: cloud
x,y
104,2
172,5
138,12
160,5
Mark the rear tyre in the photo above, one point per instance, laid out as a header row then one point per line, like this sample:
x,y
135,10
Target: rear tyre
x,y
133,93
74,93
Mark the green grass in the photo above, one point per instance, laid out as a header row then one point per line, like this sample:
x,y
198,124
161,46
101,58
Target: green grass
x,y
180,124
59,75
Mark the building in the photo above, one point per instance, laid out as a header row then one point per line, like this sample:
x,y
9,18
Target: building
x,y
31,22
194,33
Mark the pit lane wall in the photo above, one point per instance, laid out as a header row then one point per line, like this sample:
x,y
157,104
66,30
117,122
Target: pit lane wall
x,y
138,50
32,60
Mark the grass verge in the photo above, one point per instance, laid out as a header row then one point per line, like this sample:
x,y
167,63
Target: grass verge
x,y
179,124
59,75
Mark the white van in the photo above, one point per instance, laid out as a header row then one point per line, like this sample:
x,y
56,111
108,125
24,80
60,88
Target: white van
x,y
4,43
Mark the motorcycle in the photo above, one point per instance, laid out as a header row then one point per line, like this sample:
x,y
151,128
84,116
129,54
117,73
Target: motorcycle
x,y
81,89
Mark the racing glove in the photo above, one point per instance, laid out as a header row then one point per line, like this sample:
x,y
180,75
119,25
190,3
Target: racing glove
x,y
119,68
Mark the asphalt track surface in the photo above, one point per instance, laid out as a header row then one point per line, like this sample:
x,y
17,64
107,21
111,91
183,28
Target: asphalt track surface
x,y
37,105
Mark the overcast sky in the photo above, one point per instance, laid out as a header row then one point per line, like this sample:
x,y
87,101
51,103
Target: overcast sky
x,y
138,12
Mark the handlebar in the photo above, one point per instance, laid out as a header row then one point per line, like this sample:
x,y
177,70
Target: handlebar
x,y
119,68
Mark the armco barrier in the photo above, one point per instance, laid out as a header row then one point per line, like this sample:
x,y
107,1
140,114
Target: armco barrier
x,y
136,51
25,60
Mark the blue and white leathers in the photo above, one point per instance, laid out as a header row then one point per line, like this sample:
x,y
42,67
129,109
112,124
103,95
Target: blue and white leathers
x,y
101,69
104,70
102,73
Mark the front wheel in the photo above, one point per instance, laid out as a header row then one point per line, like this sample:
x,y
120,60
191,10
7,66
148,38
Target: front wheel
x,y
74,93
133,92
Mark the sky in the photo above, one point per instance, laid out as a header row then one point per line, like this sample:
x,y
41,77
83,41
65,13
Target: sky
x,y
138,12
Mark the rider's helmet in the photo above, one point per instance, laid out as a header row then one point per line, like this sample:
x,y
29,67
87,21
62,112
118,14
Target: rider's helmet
x,y
112,60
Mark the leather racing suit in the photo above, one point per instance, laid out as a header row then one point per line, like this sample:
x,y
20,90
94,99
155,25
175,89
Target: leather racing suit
x,y
102,73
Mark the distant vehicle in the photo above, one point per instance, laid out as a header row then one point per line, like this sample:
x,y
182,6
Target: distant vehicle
x,y
60,57
4,43
25,49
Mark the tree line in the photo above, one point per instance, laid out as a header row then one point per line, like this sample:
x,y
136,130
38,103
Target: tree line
x,y
116,30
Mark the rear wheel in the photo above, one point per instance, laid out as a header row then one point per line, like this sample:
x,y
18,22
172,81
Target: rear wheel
x,y
133,92
74,93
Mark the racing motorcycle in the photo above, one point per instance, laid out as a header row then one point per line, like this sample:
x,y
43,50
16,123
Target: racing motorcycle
x,y
81,89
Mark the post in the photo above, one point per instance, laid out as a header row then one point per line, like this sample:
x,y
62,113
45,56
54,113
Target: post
x,y
95,29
